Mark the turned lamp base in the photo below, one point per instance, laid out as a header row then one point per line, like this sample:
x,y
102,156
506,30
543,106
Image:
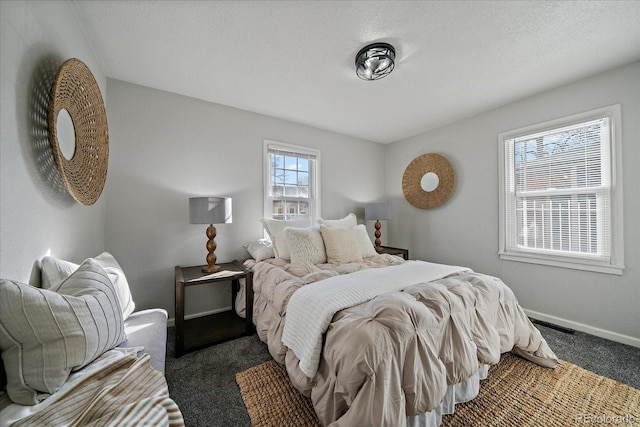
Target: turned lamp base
x,y
211,266
378,234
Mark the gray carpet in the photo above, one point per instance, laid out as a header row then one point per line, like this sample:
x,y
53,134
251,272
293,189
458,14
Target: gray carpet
x,y
203,382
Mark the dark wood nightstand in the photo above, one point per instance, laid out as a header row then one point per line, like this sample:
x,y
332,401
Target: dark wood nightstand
x,y
202,331
404,253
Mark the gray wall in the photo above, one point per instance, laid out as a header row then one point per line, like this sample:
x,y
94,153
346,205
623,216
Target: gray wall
x,y
37,216
166,148
465,229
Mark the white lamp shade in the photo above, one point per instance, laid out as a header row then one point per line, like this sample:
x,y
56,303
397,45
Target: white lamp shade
x,y
210,210
376,211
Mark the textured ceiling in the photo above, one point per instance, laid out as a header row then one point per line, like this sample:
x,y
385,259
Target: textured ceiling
x,y
294,60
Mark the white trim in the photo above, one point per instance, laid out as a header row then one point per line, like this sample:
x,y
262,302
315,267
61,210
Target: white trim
x,y
616,263
266,145
558,261
591,330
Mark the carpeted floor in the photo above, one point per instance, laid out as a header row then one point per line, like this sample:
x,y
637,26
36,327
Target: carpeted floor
x,y
203,383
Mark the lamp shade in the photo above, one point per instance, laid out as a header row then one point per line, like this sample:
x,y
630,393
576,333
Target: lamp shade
x,y
210,210
376,211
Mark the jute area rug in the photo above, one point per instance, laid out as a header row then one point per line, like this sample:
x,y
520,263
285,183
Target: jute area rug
x,y
516,393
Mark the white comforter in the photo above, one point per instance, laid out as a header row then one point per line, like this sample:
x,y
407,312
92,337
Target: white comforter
x,y
312,307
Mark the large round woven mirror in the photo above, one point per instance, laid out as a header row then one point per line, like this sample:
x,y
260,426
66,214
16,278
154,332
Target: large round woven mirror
x,y
78,131
428,181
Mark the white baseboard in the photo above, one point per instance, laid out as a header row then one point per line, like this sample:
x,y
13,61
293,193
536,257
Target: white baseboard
x,y
602,333
172,321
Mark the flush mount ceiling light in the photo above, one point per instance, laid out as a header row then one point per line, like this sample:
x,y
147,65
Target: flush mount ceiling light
x,y
375,61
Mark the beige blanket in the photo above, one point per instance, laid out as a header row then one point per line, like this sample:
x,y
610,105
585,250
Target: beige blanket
x,y
395,355
115,390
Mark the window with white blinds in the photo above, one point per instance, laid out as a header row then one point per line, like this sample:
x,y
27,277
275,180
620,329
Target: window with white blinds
x,y
557,193
291,181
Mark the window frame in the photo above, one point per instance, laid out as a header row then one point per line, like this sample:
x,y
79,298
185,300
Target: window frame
x,y
314,176
615,262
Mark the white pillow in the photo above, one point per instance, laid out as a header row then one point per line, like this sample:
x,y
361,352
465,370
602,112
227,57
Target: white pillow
x,y
261,249
44,335
119,280
348,221
364,242
54,271
275,230
341,244
306,245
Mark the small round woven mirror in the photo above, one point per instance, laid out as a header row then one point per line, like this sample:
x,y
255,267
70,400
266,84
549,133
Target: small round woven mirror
x,y
83,166
428,181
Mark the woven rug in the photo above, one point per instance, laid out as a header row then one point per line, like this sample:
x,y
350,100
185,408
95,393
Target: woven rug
x,y
516,393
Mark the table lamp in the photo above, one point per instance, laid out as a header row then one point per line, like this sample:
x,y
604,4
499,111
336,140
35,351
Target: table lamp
x,y
210,210
377,212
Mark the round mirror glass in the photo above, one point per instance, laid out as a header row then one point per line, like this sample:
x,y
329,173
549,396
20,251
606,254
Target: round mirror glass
x,y
429,181
66,134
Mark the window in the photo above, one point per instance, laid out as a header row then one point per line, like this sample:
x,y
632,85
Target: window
x,y
560,193
291,180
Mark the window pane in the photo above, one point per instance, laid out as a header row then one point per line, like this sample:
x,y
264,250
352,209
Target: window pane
x,y
566,158
290,181
277,161
278,209
291,163
303,208
303,178
303,165
562,223
277,191
291,191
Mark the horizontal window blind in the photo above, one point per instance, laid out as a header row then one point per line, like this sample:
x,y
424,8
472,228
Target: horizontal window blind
x,y
559,190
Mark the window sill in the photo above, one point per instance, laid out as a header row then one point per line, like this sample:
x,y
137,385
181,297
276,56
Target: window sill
x,y
586,265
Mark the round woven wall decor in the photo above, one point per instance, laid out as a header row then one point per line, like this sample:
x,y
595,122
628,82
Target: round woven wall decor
x,y
76,90
412,181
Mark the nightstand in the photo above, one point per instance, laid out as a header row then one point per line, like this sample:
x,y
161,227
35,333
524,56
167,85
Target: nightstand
x,y
404,253
202,331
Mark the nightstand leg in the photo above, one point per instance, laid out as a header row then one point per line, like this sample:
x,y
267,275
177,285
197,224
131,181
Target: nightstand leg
x,y
179,318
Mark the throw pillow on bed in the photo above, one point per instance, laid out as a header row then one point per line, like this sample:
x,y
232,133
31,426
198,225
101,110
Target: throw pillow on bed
x,y
341,244
44,335
275,230
348,221
55,270
364,242
306,245
260,249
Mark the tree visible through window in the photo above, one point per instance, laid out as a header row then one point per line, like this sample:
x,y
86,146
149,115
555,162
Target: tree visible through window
x,y
557,192
290,184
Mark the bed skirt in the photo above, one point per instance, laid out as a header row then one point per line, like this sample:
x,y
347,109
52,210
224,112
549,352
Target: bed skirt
x,y
457,393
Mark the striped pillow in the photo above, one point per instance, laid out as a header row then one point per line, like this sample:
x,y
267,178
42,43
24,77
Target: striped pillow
x,y
44,335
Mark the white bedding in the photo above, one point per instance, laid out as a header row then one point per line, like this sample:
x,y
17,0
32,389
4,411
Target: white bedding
x,y
312,307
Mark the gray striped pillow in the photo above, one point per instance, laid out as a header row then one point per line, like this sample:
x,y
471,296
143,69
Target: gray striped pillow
x,y
44,335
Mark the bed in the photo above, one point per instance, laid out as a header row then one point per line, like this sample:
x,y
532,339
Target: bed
x,y
374,339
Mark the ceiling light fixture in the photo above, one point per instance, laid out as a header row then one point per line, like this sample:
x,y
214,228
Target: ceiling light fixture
x,y
375,61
